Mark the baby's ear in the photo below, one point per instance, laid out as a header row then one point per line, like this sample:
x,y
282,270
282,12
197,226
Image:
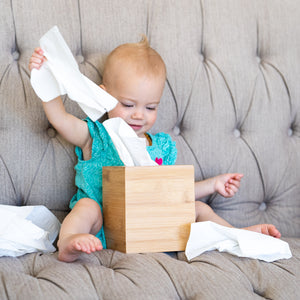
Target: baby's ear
x,y
103,87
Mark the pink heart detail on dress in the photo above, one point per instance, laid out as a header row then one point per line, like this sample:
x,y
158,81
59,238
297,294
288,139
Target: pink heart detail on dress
x,y
158,161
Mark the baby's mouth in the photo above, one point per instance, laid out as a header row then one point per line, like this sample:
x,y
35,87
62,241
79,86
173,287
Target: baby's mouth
x,y
135,127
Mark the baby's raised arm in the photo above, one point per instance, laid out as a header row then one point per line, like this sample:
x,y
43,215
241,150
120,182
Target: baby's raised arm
x,y
225,184
69,127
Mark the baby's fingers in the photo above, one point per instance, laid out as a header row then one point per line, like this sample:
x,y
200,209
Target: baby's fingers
x,y
36,61
233,182
237,176
35,64
231,187
228,192
39,51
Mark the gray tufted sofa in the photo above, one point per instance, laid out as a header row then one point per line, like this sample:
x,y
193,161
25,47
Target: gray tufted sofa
x,y
231,102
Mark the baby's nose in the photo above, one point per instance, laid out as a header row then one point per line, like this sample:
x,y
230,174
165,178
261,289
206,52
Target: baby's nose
x,y
138,114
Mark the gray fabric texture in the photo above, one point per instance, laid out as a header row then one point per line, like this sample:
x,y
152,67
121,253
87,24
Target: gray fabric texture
x,y
231,102
114,275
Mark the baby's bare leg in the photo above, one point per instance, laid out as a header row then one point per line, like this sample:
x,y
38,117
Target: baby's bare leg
x,y
78,230
205,213
267,229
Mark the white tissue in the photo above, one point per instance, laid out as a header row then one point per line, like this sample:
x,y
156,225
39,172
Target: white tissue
x,y
60,75
27,229
207,236
131,149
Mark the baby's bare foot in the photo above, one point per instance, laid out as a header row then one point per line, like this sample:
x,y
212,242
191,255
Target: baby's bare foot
x,y
267,229
70,247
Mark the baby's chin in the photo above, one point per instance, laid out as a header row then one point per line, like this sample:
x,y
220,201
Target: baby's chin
x,y
141,135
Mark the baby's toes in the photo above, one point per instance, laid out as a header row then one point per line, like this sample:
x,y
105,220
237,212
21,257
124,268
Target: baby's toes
x,y
97,244
273,231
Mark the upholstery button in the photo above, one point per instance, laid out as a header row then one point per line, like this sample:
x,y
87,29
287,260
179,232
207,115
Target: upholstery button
x,y
263,206
15,55
258,59
80,59
51,132
176,130
237,133
290,132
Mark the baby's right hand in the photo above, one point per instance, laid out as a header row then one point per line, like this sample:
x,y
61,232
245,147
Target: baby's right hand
x,y
37,59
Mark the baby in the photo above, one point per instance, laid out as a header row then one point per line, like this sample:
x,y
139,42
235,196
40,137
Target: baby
x,y
135,75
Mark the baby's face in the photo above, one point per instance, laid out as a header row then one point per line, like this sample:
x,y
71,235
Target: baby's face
x,y
138,98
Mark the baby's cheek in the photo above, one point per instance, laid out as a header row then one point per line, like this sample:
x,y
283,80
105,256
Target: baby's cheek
x,y
116,112
153,118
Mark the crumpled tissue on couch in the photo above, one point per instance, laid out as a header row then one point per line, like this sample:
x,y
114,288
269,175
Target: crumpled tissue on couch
x,y
207,236
27,229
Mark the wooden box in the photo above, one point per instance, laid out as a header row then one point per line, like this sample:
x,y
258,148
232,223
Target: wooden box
x,y
148,209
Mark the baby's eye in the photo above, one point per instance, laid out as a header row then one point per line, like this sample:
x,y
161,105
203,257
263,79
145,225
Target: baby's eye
x,y
127,105
151,108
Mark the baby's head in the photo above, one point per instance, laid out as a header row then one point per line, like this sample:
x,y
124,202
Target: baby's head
x,y
135,74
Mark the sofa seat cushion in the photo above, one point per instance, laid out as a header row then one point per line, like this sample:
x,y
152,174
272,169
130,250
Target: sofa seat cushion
x,y
113,275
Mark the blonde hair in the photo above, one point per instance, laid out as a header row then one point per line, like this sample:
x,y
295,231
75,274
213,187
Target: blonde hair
x,y
139,57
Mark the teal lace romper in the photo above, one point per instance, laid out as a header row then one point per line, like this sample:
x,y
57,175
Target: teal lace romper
x,y
89,172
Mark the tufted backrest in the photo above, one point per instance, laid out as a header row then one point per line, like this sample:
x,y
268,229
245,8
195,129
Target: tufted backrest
x,y
231,101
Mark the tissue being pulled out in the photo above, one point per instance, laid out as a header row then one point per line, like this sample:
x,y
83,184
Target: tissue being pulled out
x,y
206,236
131,149
60,75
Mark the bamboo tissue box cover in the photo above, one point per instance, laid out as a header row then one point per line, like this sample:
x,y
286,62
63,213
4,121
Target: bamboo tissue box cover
x,y
148,209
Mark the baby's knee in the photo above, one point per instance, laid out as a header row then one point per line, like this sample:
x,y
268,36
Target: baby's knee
x,y
90,205
202,210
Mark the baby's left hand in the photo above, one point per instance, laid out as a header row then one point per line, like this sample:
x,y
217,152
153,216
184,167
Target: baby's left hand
x,y
228,184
